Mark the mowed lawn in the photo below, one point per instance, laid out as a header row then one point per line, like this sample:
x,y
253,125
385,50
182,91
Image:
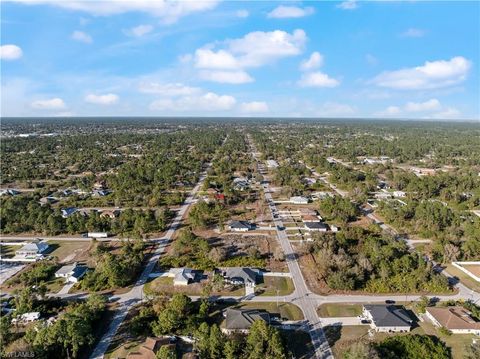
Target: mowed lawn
x,y
339,310
68,250
273,286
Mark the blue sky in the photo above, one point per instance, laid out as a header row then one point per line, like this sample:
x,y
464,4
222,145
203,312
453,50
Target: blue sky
x,y
387,59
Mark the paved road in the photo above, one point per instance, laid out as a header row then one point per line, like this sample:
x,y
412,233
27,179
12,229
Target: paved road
x,y
301,293
135,295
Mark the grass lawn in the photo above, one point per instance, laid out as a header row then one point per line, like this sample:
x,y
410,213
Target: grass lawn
x,y
464,278
270,285
286,310
341,338
54,285
339,310
165,285
457,342
67,251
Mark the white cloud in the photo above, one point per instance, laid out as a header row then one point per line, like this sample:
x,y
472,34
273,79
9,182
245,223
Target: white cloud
x,y
348,5
283,12
227,77
242,13
107,99
428,109
254,107
205,102
82,37
313,62
167,11
390,111
50,104
413,32
10,52
221,59
140,30
168,89
255,49
447,113
431,75
317,79
429,105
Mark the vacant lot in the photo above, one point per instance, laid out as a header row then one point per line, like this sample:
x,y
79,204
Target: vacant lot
x,y
285,310
8,251
272,286
72,251
464,278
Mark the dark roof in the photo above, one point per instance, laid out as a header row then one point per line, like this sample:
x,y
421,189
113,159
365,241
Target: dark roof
x,y
315,225
244,318
388,315
240,224
243,274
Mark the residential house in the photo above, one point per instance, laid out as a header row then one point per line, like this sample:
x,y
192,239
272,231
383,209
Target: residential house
x,y
399,194
67,212
309,218
150,347
241,276
27,318
298,200
456,319
387,318
316,226
240,320
182,276
272,164
33,250
308,211
48,200
241,226
72,272
110,214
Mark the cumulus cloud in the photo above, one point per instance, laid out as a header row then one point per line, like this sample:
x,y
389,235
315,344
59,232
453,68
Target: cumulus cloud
x,y
313,62
242,13
140,30
413,32
427,109
10,52
49,104
221,59
227,77
429,105
254,107
431,75
255,49
317,79
167,89
82,37
107,99
283,12
206,102
348,5
167,11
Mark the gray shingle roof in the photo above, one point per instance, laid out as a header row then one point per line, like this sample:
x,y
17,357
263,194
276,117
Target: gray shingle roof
x,y
388,315
243,318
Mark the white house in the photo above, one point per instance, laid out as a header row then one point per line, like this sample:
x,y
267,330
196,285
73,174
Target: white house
x,y
387,318
298,200
272,164
456,319
399,194
241,226
315,226
32,251
72,273
182,276
27,318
